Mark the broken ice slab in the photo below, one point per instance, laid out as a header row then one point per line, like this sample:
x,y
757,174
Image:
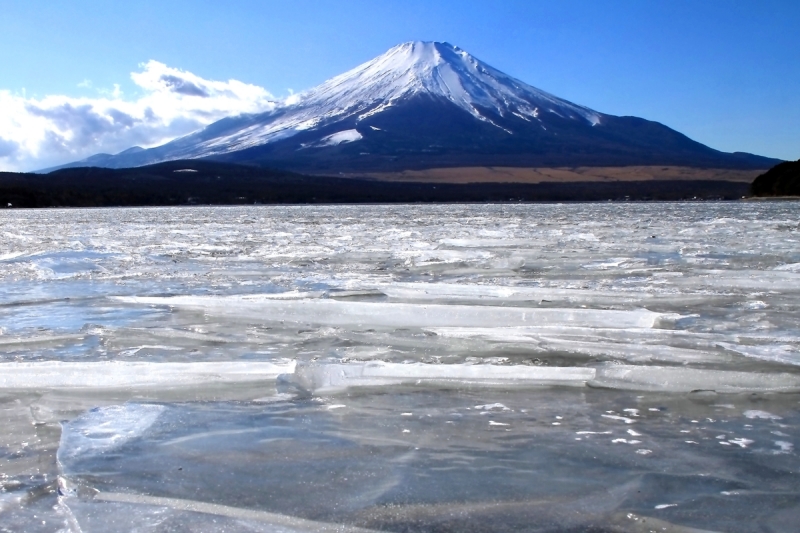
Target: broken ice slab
x,y
121,374
511,293
11,342
634,345
640,353
106,428
640,336
457,291
547,460
329,378
678,379
780,353
363,314
322,378
760,280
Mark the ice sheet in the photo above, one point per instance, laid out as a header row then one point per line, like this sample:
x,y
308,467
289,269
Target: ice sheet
x,y
683,313
548,460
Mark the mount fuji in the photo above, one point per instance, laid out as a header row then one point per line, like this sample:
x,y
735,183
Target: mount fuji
x,y
424,105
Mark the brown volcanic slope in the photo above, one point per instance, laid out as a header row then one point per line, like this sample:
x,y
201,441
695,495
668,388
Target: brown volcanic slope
x,y
562,174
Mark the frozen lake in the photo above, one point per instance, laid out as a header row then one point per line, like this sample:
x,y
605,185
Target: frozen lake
x,y
472,368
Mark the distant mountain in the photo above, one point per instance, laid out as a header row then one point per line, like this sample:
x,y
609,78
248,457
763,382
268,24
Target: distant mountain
x,y
430,105
781,180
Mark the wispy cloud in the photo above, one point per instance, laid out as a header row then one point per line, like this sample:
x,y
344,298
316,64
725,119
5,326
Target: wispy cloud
x,y
38,133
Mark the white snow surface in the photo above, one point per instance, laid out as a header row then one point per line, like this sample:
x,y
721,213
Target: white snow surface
x,y
341,137
414,68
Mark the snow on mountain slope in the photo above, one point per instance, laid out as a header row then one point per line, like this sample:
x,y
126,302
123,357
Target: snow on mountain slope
x,y
410,69
431,105
436,69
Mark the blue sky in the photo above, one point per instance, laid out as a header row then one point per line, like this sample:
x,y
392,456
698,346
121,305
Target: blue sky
x,y
726,73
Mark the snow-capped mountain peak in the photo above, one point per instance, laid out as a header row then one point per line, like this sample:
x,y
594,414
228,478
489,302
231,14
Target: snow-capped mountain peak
x,y
435,69
438,69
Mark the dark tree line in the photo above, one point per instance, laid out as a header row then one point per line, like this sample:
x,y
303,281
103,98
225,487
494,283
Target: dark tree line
x,y
203,182
781,180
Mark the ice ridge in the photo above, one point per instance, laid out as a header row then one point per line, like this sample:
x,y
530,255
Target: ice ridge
x,y
330,377
332,312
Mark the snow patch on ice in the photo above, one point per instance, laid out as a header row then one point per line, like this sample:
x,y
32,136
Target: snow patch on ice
x,y
620,418
754,413
785,446
492,407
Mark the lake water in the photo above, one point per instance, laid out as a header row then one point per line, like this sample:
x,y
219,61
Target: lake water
x,y
625,367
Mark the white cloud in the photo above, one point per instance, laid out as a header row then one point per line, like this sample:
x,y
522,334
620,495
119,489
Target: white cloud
x,y
38,133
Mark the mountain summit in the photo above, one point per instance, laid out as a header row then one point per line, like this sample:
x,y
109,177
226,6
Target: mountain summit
x,y
428,105
437,70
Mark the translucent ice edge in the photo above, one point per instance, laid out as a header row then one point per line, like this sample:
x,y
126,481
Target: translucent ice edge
x,y
672,379
332,378
291,523
118,374
333,312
